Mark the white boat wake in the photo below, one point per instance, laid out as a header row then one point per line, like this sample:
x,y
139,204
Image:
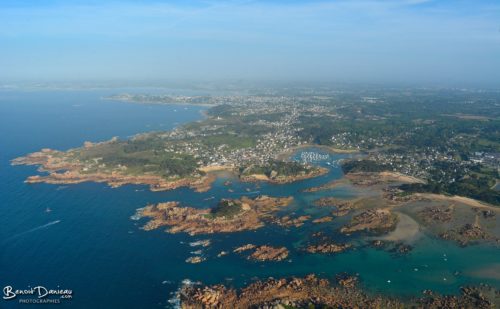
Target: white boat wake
x,y
33,230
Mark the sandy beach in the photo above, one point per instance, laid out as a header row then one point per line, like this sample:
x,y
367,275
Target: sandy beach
x,y
459,199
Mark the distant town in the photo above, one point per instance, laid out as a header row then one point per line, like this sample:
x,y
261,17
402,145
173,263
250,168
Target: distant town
x,y
451,141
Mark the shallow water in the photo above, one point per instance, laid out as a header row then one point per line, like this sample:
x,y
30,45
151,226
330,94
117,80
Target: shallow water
x,y
89,244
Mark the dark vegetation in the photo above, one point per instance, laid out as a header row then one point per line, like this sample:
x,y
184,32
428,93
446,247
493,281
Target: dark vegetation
x,y
226,208
474,186
139,156
445,178
275,168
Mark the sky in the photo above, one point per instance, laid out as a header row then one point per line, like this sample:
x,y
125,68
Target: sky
x,y
375,41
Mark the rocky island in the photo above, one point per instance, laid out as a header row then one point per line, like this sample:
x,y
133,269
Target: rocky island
x,y
280,173
268,253
228,216
329,247
288,221
263,253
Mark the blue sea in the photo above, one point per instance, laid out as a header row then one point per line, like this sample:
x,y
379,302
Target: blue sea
x,y
88,242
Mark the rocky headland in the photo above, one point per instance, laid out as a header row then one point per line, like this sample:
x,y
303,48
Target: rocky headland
x,y
64,168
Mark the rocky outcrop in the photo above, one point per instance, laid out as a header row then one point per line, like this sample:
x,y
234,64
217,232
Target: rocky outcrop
x,y
283,293
471,297
328,247
312,292
263,253
347,280
195,259
287,221
440,214
268,253
323,220
372,220
343,207
244,248
467,234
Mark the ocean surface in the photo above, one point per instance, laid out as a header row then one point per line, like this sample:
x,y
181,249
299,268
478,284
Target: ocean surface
x,y
88,242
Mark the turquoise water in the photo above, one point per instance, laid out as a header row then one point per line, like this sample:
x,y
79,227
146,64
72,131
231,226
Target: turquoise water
x,y
89,244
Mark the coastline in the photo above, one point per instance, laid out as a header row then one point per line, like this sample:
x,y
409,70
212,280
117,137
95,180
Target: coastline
x,y
67,171
156,102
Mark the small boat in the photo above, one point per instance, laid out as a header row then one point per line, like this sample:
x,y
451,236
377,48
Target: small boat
x,y
48,209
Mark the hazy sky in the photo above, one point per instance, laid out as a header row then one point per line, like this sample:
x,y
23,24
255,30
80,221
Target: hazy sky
x,y
423,41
